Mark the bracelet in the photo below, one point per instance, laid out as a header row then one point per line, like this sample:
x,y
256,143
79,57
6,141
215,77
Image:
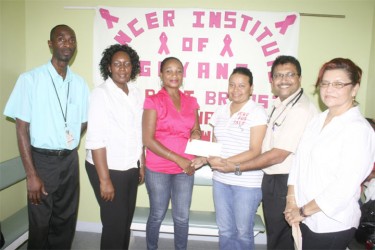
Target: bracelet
x,y
302,212
290,195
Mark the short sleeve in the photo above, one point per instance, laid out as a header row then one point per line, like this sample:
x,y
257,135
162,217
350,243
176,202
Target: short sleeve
x,y
215,115
194,103
149,103
19,103
258,116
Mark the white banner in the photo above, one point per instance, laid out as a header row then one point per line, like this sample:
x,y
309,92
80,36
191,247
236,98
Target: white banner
x,y
210,43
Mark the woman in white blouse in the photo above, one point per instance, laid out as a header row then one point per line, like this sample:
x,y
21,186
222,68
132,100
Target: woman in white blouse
x,y
114,161
335,155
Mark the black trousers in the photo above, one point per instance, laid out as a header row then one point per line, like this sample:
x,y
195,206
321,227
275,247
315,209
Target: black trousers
x,y
52,223
279,233
116,215
325,241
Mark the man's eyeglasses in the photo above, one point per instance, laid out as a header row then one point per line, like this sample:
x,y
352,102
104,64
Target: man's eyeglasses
x,y
288,75
336,85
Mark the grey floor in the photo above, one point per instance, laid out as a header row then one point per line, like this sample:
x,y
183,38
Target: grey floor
x,y
84,240
91,241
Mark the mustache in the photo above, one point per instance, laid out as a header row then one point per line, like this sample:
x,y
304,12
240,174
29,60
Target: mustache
x,y
68,50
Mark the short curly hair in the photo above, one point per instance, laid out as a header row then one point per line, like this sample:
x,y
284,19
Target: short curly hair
x,y
107,59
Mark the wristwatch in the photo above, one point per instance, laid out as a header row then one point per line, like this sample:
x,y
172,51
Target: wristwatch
x,y
302,212
237,169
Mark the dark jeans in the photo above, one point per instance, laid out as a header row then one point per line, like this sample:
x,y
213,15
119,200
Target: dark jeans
x,y
52,223
116,215
279,233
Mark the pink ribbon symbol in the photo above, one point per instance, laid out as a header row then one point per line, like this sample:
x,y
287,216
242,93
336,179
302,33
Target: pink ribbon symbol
x,y
227,41
104,13
283,25
163,44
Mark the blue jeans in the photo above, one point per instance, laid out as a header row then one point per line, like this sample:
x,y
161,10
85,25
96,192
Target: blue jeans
x,y
161,189
235,208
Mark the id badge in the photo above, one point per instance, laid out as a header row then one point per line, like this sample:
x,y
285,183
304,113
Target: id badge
x,y
69,138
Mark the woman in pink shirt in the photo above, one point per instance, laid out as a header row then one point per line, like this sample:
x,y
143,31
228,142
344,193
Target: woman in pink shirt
x,y
170,119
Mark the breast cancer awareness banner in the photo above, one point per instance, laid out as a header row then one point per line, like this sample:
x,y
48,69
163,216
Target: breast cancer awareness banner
x,y
210,43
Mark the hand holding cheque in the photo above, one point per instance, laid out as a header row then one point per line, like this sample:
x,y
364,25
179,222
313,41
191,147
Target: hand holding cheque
x,y
208,152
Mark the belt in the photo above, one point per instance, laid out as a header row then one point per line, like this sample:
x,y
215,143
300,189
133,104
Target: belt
x,y
51,152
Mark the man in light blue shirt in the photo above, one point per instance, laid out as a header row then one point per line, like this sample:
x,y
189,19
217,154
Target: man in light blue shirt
x,y
49,105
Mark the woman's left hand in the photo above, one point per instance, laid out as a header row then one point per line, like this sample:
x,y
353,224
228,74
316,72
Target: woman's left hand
x,y
292,215
221,165
216,161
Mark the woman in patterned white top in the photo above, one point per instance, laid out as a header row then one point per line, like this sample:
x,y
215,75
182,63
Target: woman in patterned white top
x,y
239,126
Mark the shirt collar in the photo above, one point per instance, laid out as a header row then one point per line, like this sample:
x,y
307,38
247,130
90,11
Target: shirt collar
x,y
165,92
112,85
278,102
56,75
347,115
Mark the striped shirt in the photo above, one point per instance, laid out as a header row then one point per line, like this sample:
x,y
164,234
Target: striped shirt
x,y
234,134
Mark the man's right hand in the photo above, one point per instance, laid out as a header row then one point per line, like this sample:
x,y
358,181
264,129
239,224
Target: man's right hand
x,y
107,191
35,189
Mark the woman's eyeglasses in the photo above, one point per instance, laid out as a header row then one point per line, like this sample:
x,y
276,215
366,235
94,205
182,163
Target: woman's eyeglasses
x,y
336,85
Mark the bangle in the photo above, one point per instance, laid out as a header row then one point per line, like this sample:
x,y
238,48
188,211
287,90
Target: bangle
x,y
290,195
302,212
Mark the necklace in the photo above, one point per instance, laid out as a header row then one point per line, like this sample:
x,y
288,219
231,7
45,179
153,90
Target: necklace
x,y
291,103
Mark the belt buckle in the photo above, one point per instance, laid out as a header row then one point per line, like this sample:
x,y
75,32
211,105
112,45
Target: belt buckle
x,y
60,152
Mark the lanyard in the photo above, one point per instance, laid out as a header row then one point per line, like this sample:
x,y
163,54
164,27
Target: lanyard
x,y
58,98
